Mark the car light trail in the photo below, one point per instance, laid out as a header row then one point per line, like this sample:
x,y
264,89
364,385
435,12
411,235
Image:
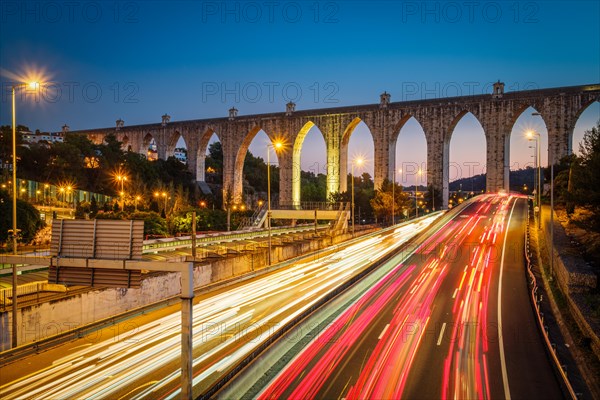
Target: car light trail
x,y
402,303
226,327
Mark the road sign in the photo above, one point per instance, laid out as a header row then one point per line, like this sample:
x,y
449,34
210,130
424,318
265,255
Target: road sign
x,y
102,242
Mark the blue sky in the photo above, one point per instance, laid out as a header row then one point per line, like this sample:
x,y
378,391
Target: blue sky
x,y
137,60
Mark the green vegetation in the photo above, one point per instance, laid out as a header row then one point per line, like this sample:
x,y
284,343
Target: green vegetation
x,y
577,178
28,219
388,200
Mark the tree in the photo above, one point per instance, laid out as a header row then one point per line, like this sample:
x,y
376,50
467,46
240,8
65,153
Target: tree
x,y
153,223
215,157
112,154
93,207
28,218
586,172
433,198
6,141
390,197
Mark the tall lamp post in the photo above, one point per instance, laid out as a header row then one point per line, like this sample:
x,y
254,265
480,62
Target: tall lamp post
x,y
417,175
15,232
394,197
359,161
535,135
551,207
122,178
275,146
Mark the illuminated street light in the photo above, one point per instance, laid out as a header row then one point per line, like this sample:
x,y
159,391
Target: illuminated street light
x,y
62,191
416,192
161,194
164,194
15,232
535,135
394,196
358,161
276,146
70,196
121,177
46,187
137,198
551,206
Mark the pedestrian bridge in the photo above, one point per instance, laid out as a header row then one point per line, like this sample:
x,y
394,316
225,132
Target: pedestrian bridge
x,y
311,210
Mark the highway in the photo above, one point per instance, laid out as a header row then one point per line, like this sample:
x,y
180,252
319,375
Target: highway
x,y
144,361
452,320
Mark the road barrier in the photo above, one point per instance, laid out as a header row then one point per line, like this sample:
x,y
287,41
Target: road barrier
x,y
559,369
6,294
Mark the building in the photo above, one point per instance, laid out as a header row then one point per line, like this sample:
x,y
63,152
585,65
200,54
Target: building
x,y
180,153
37,137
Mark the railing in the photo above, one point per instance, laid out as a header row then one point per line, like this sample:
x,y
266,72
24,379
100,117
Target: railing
x,y
535,301
306,205
6,295
342,213
253,220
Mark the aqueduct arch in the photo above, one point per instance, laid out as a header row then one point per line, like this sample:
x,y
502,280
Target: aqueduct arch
x,y
496,112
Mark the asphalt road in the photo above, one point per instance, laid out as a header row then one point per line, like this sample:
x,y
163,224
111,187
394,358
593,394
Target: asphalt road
x,y
142,358
452,321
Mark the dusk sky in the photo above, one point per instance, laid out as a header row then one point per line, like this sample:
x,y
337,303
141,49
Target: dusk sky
x,y
140,60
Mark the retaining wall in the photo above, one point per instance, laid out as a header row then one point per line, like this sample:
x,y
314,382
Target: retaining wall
x,y
574,276
51,318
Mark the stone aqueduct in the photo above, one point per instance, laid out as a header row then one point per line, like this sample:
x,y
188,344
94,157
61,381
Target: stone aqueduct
x,y
496,112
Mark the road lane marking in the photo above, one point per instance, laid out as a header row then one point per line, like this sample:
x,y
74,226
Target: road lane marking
x,y
500,336
383,332
441,334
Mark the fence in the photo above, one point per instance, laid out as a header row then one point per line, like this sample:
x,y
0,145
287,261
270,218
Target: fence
x,y
6,295
539,316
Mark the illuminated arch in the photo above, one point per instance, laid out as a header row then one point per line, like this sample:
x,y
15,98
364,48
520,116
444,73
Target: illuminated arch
x,y
201,153
460,172
343,184
296,162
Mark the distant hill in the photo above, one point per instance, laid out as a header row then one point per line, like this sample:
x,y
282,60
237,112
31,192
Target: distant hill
x,y
476,183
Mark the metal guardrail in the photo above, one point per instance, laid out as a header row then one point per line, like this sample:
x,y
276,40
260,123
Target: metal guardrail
x,y
550,347
307,205
6,294
154,245
213,390
24,350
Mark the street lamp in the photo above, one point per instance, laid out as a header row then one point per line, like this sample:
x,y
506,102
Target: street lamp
x,y
531,135
417,175
15,232
70,197
164,194
276,146
359,161
551,207
394,196
122,178
137,198
158,195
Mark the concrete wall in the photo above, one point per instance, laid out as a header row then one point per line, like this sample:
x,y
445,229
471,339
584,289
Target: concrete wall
x,y
574,276
48,319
